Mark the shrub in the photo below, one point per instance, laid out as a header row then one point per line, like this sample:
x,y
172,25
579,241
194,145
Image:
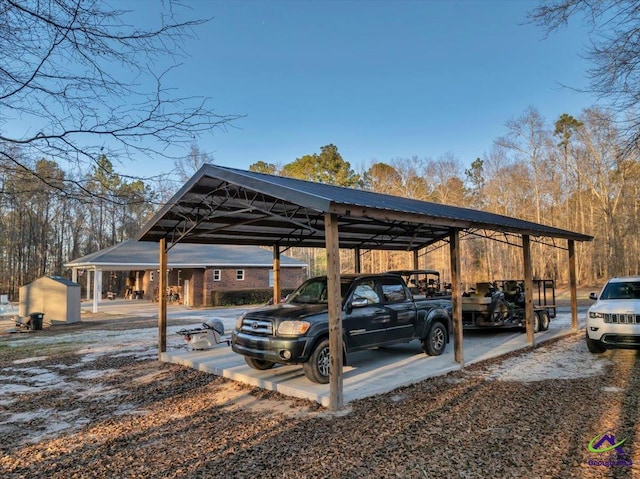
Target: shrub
x,y
243,296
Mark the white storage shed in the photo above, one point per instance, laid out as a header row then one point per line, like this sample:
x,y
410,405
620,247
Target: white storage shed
x,y
57,297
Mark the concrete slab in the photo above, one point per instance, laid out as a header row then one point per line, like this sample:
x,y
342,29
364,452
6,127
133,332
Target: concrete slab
x,y
370,372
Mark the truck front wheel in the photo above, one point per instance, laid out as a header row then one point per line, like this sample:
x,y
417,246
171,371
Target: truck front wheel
x,y
260,364
317,367
436,340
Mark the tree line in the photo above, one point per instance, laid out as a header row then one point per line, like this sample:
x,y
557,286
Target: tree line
x,y
47,220
575,173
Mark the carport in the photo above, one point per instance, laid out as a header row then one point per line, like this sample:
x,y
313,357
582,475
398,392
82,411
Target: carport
x,y
229,206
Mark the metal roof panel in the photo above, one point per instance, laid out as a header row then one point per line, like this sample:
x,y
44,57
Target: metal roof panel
x,y
226,205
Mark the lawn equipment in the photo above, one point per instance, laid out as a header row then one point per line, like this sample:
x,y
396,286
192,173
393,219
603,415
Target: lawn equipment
x,y
209,335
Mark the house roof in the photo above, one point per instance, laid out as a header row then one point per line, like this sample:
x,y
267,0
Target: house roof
x,y
224,205
139,255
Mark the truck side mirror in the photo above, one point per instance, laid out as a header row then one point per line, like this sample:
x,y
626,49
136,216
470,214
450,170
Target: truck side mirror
x,y
359,303
593,296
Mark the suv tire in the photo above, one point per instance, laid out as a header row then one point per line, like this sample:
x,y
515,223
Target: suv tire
x,y
595,347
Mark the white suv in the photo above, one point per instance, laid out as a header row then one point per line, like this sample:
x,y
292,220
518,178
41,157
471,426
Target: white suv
x,y
613,321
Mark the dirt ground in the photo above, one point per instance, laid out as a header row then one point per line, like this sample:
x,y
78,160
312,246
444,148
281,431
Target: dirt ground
x,y
92,401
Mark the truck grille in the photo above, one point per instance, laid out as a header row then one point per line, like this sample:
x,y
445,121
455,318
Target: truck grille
x,y
622,318
257,326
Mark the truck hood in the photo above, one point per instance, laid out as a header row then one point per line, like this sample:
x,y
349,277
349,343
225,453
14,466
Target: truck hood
x,y
287,311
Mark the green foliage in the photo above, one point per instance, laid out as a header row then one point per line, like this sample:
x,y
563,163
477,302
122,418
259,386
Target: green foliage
x,y
243,297
328,167
475,177
566,126
382,178
262,167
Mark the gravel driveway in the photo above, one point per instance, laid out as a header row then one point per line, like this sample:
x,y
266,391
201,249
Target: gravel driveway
x,y
91,400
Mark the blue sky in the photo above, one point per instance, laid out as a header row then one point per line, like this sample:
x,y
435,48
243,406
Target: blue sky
x,y
379,79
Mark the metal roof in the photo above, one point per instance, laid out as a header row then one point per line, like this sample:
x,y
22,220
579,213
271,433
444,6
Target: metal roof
x,y
225,205
139,255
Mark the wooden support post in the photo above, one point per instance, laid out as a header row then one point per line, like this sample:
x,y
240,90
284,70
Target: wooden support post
x,y
277,286
573,285
416,260
356,261
336,400
456,296
528,288
162,299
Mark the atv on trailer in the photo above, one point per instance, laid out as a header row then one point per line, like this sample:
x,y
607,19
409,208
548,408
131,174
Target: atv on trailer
x,y
501,304
424,282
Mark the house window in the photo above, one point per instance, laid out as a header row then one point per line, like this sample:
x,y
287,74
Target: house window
x,y
216,275
239,275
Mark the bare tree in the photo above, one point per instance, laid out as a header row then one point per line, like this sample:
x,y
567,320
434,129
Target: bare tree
x,y
85,83
614,51
186,166
606,174
527,139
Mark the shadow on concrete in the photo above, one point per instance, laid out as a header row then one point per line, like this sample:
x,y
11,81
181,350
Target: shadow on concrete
x,y
369,372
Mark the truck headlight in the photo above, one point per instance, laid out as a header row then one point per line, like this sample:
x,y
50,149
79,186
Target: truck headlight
x,y
595,315
293,328
239,322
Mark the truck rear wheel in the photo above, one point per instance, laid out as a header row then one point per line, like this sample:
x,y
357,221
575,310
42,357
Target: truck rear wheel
x,y
260,364
317,367
436,340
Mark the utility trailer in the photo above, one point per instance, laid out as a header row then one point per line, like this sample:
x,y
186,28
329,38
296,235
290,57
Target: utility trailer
x,y
501,304
497,304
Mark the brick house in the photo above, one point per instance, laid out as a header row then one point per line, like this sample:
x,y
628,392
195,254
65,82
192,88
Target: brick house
x,y
194,271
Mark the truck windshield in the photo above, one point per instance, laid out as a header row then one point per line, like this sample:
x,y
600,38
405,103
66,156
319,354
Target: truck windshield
x,y
621,290
314,291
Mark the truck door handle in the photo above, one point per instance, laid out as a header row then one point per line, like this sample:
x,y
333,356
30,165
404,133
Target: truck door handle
x,y
381,316
381,320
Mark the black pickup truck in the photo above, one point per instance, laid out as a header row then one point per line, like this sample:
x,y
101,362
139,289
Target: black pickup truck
x,y
377,310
